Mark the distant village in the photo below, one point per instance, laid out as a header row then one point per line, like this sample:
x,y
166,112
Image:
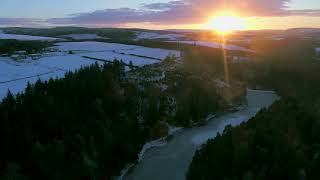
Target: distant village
x,y
21,55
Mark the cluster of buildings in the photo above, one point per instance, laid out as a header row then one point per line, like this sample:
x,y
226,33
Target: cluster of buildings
x,y
237,59
20,55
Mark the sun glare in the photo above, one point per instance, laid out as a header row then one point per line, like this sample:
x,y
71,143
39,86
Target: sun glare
x,y
225,23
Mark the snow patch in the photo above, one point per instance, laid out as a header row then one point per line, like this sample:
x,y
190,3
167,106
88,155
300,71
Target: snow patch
x,y
173,129
124,171
26,37
210,116
152,35
221,84
152,144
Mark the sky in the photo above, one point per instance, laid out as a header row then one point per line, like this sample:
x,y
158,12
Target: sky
x,y
158,14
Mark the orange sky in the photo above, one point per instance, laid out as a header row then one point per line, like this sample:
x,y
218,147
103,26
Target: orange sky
x,y
159,14
253,23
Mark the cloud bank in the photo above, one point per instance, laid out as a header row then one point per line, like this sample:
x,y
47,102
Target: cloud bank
x,y
22,22
174,12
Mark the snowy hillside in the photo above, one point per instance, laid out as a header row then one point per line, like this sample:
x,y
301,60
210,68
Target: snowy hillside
x,y
151,35
14,76
25,37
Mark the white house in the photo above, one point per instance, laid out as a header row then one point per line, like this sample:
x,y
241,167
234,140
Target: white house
x,y
317,51
236,59
35,56
18,57
21,52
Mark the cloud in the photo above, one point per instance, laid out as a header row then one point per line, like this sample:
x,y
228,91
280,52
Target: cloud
x,y
107,16
21,22
305,12
178,12
163,6
182,12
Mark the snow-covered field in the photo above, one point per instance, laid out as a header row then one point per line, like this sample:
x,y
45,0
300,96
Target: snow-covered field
x,y
215,45
108,55
14,76
93,46
82,36
116,51
25,37
151,52
151,35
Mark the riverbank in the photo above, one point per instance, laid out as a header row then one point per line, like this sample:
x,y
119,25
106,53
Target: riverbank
x,y
171,160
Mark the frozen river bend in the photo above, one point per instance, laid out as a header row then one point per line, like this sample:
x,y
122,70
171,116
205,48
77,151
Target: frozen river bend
x,y
170,162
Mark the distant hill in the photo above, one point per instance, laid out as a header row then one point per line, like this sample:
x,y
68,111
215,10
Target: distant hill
x,y
304,30
113,33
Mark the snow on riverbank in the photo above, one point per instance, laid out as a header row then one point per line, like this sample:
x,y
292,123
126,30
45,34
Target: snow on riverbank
x,y
172,160
214,45
201,138
159,142
261,91
152,144
173,129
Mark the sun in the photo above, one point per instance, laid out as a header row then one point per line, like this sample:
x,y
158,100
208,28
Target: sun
x,y
225,23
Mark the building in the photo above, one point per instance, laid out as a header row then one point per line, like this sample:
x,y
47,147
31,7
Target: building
x,y
51,49
18,57
236,59
35,56
21,52
317,51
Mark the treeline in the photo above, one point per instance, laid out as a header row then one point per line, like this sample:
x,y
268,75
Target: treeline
x,y
282,142
113,33
10,46
91,123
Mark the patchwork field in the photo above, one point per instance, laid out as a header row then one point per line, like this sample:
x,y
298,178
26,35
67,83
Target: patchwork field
x,y
14,76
